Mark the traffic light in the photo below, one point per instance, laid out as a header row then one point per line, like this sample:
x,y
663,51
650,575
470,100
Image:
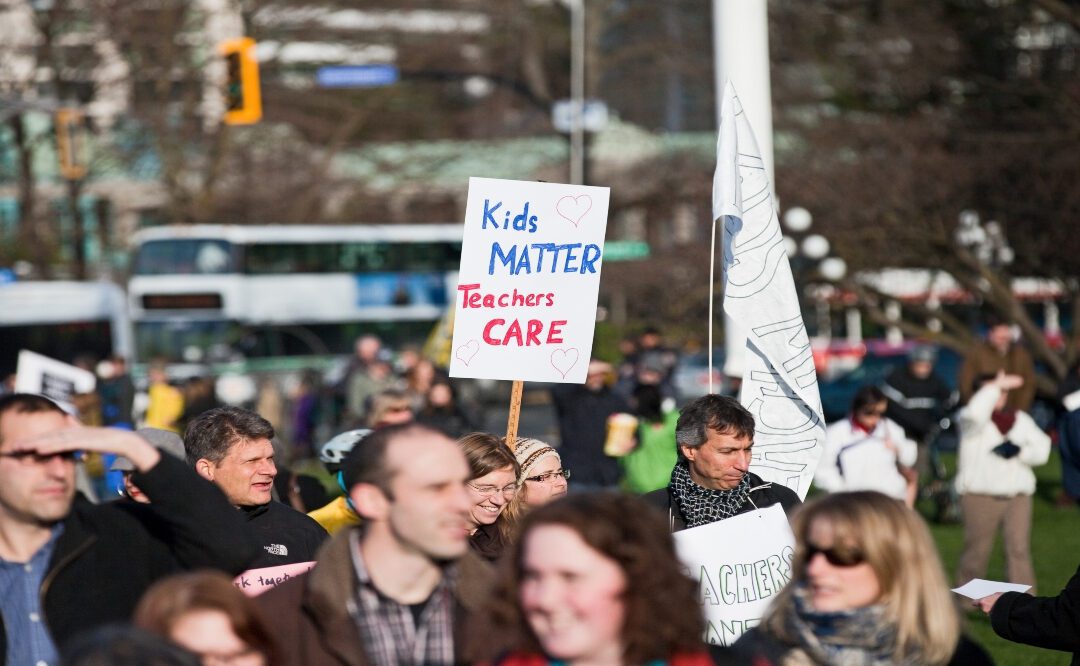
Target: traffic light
x,y
243,101
71,143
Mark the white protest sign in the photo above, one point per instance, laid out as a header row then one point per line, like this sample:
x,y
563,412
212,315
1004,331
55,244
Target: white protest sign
x,y
779,384
530,274
254,582
741,563
51,378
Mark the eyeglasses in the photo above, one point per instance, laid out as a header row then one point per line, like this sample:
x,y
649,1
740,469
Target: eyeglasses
x,y
508,491
549,477
28,457
838,557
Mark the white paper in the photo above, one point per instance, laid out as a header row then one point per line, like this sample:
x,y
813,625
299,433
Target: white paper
x,y
740,563
779,380
525,306
1072,401
977,588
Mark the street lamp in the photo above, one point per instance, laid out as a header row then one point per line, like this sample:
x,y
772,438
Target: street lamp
x,y
577,89
986,241
813,251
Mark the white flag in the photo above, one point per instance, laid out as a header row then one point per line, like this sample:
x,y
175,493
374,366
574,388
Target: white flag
x,y
779,381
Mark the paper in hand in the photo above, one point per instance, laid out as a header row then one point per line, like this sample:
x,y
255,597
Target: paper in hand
x,y
977,588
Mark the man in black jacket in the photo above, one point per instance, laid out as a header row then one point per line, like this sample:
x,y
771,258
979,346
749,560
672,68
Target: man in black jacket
x,y
1047,622
712,479
67,565
918,400
231,447
583,412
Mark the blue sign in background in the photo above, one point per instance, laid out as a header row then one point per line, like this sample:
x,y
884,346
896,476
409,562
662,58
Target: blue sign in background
x,y
356,76
383,289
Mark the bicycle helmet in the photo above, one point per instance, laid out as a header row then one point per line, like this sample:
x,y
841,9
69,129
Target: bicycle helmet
x,y
333,452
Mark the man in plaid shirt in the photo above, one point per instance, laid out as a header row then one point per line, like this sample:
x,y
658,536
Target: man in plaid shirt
x,y
401,588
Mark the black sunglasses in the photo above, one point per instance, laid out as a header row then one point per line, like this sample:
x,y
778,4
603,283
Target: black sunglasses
x,y
838,557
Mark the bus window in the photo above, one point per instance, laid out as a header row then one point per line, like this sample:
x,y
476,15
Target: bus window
x,y
185,257
60,341
179,340
351,257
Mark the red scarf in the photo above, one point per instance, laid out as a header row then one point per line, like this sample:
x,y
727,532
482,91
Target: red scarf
x,y
1004,420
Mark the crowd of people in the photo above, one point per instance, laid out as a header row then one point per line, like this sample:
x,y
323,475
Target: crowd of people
x,y
444,544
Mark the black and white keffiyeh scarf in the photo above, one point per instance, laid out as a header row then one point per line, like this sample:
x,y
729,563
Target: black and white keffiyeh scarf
x,y
701,506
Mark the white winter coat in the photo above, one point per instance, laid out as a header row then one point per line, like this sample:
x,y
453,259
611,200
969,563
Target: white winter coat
x,y
856,460
982,471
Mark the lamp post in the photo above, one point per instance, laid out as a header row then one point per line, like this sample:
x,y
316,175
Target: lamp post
x,y
577,89
812,252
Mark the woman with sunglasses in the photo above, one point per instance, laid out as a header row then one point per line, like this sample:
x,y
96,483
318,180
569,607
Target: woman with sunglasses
x,y
542,476
867,587
868,451
492,486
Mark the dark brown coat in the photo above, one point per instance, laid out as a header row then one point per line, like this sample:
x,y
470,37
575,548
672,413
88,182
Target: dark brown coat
x,y
311,620
983,359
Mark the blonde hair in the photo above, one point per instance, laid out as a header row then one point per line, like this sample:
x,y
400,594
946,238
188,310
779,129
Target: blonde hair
x,y
896,544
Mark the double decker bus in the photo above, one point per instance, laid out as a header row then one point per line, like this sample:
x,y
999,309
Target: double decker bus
x,y
225,293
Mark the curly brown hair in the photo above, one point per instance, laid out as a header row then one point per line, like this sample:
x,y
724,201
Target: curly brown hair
x,y
662,610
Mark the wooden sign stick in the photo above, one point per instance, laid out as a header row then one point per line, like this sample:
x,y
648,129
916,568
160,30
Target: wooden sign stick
x,y
515,413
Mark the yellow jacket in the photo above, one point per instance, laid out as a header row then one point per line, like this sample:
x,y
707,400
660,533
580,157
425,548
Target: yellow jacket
x,y
335,516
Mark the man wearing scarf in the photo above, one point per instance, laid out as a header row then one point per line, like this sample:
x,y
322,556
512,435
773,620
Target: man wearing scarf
x,y
712,479
998,448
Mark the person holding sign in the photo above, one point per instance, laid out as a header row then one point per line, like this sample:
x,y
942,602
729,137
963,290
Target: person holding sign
x,y
868,588
595,579
492,486
712,480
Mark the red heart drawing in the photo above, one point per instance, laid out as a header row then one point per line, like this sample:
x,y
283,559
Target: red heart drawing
x,y
574,209
563,360
467,351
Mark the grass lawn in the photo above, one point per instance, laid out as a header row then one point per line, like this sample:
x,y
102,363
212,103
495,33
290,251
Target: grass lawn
x,y
1055,548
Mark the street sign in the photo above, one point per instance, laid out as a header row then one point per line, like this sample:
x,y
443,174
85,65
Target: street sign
x,y
594,115
625,250
356,76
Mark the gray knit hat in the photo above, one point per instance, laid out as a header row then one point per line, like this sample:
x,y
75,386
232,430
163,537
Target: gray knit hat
x,y
163,440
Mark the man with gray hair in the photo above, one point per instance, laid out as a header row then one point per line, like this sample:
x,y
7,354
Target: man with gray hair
x,y
712,479
231,447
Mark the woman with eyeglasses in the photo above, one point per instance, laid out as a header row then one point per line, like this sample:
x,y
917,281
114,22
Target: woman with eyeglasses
x,y
492,486
542,477
204,613
867,587
868,451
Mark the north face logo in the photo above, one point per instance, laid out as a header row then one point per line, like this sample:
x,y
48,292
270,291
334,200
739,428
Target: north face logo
x,y
277,549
